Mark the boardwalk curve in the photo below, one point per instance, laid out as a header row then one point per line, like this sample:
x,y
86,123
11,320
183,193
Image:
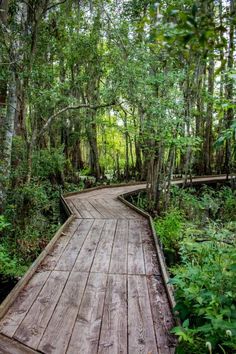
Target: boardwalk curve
x,y
99,289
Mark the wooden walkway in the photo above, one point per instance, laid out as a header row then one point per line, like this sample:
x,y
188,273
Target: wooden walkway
x,y
99,290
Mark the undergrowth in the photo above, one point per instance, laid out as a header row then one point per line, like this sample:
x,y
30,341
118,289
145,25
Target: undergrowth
x,y
32,214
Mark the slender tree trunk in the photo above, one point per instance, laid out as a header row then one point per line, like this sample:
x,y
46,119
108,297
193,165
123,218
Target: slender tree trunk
x,y
92,139
220,152
209,119
229,87
126,149
170,168
131,153
8,137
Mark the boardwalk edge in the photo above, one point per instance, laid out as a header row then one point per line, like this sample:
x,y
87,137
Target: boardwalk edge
x,y
160,255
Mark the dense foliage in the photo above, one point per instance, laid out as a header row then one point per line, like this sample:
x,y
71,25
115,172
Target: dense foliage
x,y
198,232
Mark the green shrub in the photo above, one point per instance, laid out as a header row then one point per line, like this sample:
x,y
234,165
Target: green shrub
x,y
3,223
34,212
170,229
48,163
9,265
205,286
227,197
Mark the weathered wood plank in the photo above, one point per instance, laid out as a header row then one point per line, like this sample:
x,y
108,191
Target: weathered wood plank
x,y
114,323
162,316
57,335
140,323
103,253
86,205
149,250
68,258
81,208
117,208
21,306
135,250
102,206
85,258
85,336
32,327
10,346
73,208
121,210
53,256
119,252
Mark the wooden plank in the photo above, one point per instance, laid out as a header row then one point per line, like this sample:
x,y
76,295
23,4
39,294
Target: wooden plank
x,y
94,213
135,250
140,324
10,346
21,284
102,206
53,256
68,258
32,327
149,250
73,208
57,335
81,209
99,208
121,209
85,336
114,323
103,253
115,206
22,304
85,258
119,252
162,316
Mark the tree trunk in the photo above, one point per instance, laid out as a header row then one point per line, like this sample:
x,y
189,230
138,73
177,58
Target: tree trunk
x,y
8,137
229,87
209,118
92,139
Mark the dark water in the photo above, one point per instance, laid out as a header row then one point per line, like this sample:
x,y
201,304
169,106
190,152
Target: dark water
x,y
6,285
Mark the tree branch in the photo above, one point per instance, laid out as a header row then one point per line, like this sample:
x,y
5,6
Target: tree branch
x,y
68,108
54,5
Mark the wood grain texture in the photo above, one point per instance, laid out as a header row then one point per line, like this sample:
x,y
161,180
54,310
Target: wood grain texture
x,y
140,323
53,256
68,257
119,252
85,258
88,206
73,208
85,336
135,249
32,327
114,323
149,250
103,254
57,335
21,306
10,346
81,209
162,316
